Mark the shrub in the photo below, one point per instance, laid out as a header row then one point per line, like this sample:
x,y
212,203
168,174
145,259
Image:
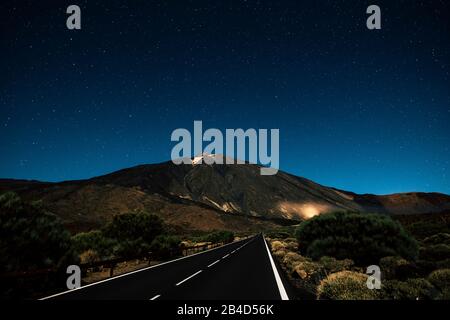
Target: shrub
x,y
31,238
425,267
364,238
309,270
439,238
220,236
436,252
165,247
131,248
331,265
134,227
280,253
94,241
277,245
441,280
89,256
290,259
291,244
444,295
411,289
424,229
390,266
278,234
345,285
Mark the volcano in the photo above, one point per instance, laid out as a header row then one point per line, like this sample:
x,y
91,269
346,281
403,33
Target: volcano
x,y
200,196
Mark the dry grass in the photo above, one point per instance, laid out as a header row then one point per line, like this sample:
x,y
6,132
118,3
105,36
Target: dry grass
x,y
345,285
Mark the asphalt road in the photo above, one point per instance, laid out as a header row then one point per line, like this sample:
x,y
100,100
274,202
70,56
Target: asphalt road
x,y
240,270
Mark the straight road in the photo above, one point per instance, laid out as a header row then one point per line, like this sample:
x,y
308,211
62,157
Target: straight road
x,y
240,270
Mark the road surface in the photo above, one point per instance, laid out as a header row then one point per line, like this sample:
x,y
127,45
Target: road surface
x,y
240,270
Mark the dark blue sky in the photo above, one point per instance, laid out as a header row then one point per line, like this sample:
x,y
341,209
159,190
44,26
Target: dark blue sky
x,y
365,111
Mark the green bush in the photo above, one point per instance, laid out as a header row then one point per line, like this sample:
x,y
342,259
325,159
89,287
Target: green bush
x,y
131,248
134,227
31,238
165,247
219,236
436,252
441,280
345,285
439,238
424,229
96,241
411,289
390,266
332,265
364,238
278,234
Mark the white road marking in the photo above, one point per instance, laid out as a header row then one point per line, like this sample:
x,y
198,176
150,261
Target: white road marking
x,y
188,278
280,285
132,272
225,256
156,297
213,263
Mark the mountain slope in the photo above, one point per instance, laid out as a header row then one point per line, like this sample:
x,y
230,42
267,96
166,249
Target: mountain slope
x,y
206,197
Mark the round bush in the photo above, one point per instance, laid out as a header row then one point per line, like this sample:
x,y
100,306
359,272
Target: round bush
x,y
309,270
435,252
132,227
94,241
438,239
279,253
411,289
277,245
345,285
165,247
440,278
332,265
363,238
390,266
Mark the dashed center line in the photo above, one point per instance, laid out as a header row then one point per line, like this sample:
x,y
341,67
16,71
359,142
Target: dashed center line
x,y
156,297
225,256
188,278
213,263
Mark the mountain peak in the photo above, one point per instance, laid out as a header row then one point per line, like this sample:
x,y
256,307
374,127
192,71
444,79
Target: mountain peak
x,y
210,158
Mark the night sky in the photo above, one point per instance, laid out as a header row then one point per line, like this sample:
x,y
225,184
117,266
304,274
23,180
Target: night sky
x,y
365,111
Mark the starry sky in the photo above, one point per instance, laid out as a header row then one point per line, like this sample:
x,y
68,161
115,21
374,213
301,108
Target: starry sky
x,y
365,111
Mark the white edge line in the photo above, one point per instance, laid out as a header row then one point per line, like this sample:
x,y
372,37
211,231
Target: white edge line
x,y
136,271
280,285
156,297
191,276
213,263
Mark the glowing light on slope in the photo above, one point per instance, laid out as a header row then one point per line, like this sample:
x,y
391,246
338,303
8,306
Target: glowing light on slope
x,y
305,210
